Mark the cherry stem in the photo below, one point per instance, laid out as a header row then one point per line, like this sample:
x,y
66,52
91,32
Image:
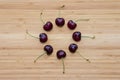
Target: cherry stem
x,y
60,9
92,37
38,57
82,20
41,18
63,66
31,35
84,58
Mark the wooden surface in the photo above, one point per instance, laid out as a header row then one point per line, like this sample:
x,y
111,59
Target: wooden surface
x,y
18,50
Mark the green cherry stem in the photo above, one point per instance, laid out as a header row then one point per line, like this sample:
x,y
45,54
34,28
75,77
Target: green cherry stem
x,y
41,18
81,20
39,57
63,65
92,37
60,9
31,35
84,58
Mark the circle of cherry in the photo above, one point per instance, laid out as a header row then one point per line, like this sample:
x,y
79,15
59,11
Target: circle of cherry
x,y
61,54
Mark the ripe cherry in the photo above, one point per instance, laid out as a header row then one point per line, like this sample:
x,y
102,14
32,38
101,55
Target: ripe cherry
x,y
61,55
73,47
71,24
60,22
48,26
48,50
77,36
42,37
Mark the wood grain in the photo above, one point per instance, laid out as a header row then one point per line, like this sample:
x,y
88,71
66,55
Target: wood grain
x,y
18,50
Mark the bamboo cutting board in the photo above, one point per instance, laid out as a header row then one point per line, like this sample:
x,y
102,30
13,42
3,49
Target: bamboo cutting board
x,y
18,50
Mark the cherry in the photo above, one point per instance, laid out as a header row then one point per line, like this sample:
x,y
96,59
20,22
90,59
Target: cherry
x,y
60,22
76,36
48,50
61,55
73,47
71,24
42,37
48,26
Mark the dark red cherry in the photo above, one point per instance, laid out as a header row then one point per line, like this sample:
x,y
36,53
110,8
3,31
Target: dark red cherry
x,y
48,49
71,24
48,26
73,47
43,37
76,36
61,54
60,22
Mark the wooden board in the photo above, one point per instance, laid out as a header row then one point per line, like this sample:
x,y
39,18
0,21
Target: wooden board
x,y
18,50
